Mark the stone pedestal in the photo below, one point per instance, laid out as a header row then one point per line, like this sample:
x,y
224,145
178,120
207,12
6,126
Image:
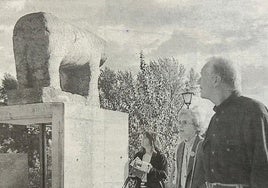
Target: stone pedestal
x,y
96,147
89,144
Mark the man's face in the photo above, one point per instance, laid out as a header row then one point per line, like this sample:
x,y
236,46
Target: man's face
x,y
206,86
186,126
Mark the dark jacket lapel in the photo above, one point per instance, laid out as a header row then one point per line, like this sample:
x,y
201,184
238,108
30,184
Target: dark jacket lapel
x,y
192,154
180,152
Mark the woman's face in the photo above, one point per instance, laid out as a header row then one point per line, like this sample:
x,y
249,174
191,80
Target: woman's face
x,y
145,142
186,126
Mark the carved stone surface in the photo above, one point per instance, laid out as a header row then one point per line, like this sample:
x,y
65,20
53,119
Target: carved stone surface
x,y
51,53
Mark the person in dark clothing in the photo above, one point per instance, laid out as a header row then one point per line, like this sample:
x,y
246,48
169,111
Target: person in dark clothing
x,y
234,150
159,167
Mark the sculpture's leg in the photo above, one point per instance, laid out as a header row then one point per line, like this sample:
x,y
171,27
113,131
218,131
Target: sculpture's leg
x,y
93,93
54,66
63,79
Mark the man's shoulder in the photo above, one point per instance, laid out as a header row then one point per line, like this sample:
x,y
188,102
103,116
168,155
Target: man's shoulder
x,y
251,105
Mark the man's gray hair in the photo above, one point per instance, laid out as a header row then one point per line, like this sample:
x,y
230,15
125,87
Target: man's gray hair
x,y
195,116
227,70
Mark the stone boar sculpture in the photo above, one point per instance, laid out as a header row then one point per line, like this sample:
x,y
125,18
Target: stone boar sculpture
x,y
52,53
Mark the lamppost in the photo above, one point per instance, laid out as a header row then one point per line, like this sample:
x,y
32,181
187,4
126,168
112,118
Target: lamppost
x,y
187,97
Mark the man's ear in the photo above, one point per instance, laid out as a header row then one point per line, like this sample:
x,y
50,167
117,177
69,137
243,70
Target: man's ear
x,y
216,80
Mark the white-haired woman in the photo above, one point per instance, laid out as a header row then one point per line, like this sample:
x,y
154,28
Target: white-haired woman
x,y
188,168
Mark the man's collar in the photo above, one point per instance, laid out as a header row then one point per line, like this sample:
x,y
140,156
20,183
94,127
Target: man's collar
x,y
227,101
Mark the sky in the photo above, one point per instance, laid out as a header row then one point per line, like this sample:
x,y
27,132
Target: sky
x,y
189,30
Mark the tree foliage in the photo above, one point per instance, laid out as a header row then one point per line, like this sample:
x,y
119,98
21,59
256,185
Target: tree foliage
x,y
8,83
152,99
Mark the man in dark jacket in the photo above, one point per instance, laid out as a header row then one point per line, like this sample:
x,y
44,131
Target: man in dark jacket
x,y
235,150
